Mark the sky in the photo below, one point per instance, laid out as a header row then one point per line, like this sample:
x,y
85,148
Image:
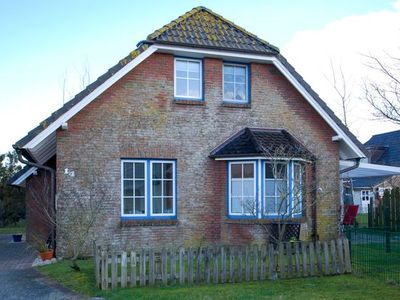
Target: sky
x,y
47,46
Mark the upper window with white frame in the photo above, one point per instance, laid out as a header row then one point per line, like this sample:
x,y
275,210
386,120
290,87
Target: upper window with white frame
x,y
188,79
148,188
235,83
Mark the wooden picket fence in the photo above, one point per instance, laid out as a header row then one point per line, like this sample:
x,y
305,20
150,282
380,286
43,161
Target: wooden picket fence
x,y
141,267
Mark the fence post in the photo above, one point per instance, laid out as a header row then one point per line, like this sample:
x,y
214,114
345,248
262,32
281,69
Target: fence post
x,y
181,265
124,269
387,229
114,269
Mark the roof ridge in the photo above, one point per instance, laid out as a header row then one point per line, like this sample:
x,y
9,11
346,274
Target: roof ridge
x,y
240,28
171,24
198,9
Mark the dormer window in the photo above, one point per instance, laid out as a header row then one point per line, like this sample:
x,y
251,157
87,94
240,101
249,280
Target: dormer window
x,y
235,83
188,79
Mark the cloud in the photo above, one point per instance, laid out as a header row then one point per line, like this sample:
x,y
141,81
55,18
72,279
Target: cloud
x,y
344,42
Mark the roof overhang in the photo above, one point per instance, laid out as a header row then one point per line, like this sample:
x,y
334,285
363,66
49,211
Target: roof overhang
x,y
367,170
20,180
43,146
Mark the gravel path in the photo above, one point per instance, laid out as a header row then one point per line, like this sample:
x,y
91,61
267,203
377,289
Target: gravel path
x,y
18,280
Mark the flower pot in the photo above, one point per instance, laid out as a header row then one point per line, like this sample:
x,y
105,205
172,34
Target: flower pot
x,y
46,255
17,238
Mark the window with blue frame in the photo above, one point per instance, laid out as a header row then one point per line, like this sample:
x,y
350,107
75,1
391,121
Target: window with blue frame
x,y
148,188
242,185
188,79
281,185
235,83
276,187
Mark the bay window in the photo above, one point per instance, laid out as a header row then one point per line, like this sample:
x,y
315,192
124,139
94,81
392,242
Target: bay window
x,y
263,188
242,188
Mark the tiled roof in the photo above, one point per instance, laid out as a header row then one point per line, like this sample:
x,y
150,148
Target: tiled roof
x,y
385,148
262,142
202,27
199,27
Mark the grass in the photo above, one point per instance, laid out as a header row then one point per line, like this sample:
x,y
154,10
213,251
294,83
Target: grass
x,y
14,229
362,220
331,287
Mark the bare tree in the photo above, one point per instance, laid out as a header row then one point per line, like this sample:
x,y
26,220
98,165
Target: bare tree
x,y
284,201
383,93
339,84
82,208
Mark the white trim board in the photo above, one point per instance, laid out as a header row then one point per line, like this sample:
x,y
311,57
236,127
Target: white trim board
x,y
240,57
89,98
20,180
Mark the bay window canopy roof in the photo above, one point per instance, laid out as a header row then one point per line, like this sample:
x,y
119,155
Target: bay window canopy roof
x,y
251,142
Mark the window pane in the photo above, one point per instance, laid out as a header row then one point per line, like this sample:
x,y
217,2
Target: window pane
x,y
228,77
157,202
181,74
194,75
270,205
168,205
139,170
228,69
249,205
157,188
128,188
281,188
128,170
194,67
248,188
139,188
240,78
168,188
269,172
157,170
228,90
240,71
168,171
128,205
236,188
139,205
248,170
181,65
240,92
194,88
181,87
282,206
236,171
281,171
270,187
236,205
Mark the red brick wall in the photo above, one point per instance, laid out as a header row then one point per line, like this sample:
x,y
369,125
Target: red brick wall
x,y
38,205
137,118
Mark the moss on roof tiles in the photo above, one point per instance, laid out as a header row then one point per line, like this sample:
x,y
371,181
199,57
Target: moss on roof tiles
x,y
203,27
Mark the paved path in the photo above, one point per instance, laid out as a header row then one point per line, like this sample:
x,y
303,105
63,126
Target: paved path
x,y
18,280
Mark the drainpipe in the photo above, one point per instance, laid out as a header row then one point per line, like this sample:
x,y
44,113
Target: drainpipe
x,y
355,166
52,188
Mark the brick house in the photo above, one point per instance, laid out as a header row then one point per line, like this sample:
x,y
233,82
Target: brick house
x,y
177,132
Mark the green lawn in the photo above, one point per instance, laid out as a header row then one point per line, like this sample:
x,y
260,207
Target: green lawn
x,y
362,220
333,287
13,229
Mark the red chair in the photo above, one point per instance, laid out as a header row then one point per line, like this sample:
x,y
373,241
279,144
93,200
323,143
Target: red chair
x,y
350,214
